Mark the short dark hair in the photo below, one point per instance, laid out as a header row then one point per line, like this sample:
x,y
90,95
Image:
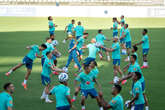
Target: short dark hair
x,y
79,22
49,17
100,30
135,48
7,85
85,33
86,66
48,53
118,87
73,20
94,62
114,18
138,74
145,30
126,25
48,38
134,57
44,46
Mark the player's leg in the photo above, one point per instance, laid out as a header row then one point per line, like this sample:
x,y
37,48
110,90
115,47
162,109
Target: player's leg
x,y
83,102
145,62
128,46
24,84
14,68
74,56
76,93
69,60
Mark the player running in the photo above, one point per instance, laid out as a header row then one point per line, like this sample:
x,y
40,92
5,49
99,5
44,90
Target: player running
x,y
94,70
45,75
6,100
100,39
28,61
51,26
72,53
87,80
145,47
117,101
62,93
93,49
138,98
115,27
69,29
79,30
127,37
122,40
115,49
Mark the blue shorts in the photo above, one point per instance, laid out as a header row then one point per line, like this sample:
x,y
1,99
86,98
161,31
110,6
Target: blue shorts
x,y
53,57
128,44
115,34
45,80
77,37
116,62
42,61
63,108
80,52
122,41
143,86
145,51
88,60
28,62
91,92
139,107
51,33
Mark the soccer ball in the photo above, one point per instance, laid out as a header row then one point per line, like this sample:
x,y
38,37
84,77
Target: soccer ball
x,y
63,77
97,44
105,12
126,103
57,4
115,80
54,42
65,69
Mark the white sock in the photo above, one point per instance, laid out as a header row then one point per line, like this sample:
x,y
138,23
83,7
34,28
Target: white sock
x,y
46,97
43,93
147,108
83,107
101,108
25,81
10,71
125,51
145,63
133,107
74,97
108,57
128,58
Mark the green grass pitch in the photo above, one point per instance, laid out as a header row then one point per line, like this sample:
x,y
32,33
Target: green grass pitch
x,y
17,33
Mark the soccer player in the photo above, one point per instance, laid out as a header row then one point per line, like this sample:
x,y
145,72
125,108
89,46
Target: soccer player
x,y
87,80
94,70
145,47
116,57
69,29
62,93
45,75
51,26
127,37
6,100
122,41
134,50
115,27
28,61
100,39
50,48
138,98
93,49
122,20
79,30
117,101
72,53
134,67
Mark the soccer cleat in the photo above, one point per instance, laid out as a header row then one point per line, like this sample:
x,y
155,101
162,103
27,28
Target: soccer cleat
x,y
83,109
42,97
25,86
48,101
123,82
75,66
73,100
144,67
55,73
7,74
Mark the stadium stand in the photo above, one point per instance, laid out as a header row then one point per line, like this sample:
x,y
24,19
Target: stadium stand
x,y
85,2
